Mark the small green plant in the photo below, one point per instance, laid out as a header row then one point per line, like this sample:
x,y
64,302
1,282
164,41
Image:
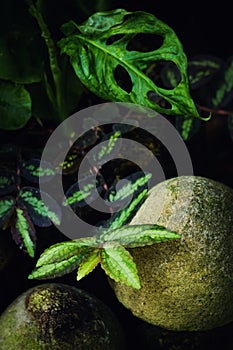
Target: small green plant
x,y
107,246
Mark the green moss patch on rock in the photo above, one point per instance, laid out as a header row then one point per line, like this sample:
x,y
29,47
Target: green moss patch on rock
x,y
59,317
187,283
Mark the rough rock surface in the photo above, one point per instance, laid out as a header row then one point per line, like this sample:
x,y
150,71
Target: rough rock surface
x,y
187,283
59,317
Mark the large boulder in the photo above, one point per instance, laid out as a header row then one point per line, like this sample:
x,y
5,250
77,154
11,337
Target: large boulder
x,y
59,317
187,283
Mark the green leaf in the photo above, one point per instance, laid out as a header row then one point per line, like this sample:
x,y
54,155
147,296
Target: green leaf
x,y
34,168
6,208
224,87
56,269
121,217
107,150
187,126
118,264
136,182
65,250
84,192
15,106
41,214
20,59
23,232
7,182
88,264
202,68
96,59
132,236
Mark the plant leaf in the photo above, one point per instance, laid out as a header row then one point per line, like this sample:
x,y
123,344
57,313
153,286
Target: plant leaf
x,y
56,269
123,216
34,168
42,215
187,126
88,264
118,264
65,250
224,86
137,182
23,232
7,182
96,59
202,68
19,59
108,151
132,236
15,106
6,209
84,192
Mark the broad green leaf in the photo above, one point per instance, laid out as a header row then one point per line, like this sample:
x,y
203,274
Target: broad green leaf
x,y
7,182
118,264
88,264
15,106
56,269
41,214
6,208
34,169
97,59
65,250
19,57
132,236
123,216
224,87
23,232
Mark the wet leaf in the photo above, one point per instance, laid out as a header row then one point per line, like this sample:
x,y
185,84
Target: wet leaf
x,y
88,264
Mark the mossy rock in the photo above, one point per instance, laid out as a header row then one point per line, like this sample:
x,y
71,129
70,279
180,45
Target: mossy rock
x,y
59,317
186,283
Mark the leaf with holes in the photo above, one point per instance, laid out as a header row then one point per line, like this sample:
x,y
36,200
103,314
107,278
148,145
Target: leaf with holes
x,y
118,264
15,106
132,236
104,59
35,169
42,215
7,205
23,232
7,182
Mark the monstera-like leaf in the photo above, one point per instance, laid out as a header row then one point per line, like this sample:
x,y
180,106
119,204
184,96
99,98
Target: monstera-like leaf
x,y
102,48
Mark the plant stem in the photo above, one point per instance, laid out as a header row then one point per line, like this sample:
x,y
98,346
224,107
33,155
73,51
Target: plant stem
x,y
55,95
